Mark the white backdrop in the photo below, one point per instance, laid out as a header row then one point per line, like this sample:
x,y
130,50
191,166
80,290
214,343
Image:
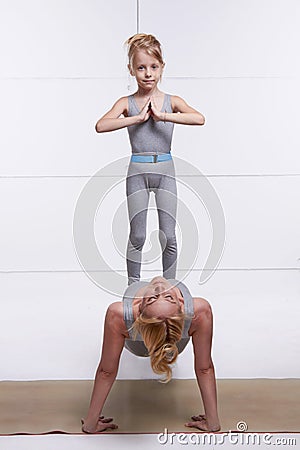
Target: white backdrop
x,y
62,66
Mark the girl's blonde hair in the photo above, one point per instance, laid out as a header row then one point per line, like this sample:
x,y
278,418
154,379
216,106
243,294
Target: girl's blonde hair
x,y
146,42
160,337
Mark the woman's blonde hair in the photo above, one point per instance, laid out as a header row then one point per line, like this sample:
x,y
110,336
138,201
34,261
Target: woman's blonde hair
x,y
146,42
160,337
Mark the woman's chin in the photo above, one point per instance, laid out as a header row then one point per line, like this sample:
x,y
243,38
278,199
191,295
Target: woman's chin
x,y
159,279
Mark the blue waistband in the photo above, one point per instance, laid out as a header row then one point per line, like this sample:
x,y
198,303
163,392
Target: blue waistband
x,y
151,158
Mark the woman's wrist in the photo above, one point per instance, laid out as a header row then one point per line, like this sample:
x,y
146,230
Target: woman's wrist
x,y
89,425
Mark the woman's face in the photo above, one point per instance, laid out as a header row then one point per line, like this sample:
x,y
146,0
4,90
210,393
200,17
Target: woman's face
x,y
160,299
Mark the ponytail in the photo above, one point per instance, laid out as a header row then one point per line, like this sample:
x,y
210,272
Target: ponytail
x,y
160,337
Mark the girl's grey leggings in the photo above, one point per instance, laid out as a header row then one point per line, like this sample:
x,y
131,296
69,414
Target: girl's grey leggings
x,y
143,178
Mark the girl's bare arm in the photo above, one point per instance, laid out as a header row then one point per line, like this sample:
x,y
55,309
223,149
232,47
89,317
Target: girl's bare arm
x,y
182,113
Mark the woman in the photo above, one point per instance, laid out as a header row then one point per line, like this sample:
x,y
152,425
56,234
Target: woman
x,y
149,115
156,319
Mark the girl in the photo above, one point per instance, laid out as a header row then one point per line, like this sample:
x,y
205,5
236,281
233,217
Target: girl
x,y
149,115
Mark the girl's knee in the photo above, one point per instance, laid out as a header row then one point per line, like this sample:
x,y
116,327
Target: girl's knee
x,y
137,239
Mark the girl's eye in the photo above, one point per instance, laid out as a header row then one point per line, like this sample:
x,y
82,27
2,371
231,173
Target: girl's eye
x,y
141,68
154,67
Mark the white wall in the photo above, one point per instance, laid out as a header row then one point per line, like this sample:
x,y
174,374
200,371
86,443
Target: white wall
x,y
62,66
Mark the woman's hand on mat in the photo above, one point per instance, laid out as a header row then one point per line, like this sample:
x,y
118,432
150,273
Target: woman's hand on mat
x,y
200,422
199,417
104,423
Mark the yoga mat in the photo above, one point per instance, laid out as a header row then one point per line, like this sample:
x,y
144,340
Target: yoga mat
x,y
147,406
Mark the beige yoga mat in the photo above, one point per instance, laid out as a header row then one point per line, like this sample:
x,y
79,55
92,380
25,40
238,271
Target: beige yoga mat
x,y
146,406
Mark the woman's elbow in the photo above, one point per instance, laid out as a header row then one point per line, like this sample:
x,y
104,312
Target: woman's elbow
x,y
204,368
106,374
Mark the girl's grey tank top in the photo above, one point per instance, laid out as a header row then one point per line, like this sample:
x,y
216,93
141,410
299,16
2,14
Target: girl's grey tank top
x,y
150,136
137,346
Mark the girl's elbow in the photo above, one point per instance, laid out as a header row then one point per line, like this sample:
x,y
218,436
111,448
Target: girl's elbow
x,y
201,120
98,128
198,119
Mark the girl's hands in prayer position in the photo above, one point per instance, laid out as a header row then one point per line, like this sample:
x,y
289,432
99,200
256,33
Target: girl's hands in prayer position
x,y
156,114
145,113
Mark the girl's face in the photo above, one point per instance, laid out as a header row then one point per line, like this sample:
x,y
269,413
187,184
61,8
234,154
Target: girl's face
x,y
146,69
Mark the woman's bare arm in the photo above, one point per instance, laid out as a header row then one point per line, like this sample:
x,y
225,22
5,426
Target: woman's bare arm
x,y
113,342
201,332
112,120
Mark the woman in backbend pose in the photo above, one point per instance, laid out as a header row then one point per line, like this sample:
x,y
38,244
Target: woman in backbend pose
x,y
150,115
156,319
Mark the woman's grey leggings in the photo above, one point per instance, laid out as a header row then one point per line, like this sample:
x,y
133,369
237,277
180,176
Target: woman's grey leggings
x,y
143,178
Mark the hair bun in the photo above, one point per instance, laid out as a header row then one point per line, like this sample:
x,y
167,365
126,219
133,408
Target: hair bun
x,y
146,42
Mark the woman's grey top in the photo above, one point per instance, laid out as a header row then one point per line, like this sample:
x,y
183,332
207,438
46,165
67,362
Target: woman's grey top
x,y
137,346
150,136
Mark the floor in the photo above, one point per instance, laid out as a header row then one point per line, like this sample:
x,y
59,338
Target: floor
x,y
146,442
144,408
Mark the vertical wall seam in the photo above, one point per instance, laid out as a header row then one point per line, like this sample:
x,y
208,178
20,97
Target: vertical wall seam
x,y
137,16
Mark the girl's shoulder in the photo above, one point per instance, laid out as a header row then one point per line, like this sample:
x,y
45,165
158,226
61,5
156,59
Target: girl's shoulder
x,y
123,100
177,102
120,106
